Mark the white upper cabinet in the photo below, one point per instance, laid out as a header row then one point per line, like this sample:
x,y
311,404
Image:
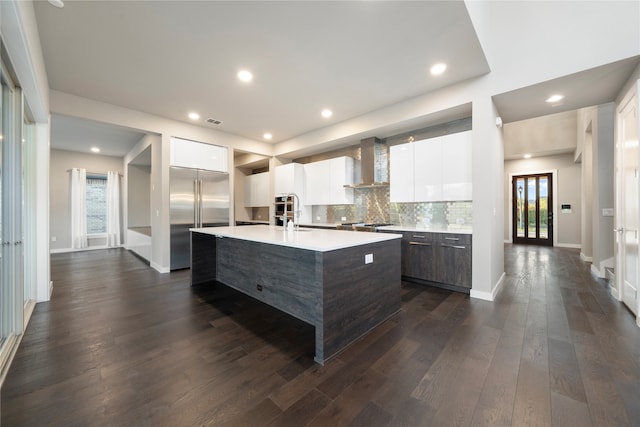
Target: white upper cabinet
x,y
256,190
432,170
289,178
428,166
325,181
197,155
456,176
401,172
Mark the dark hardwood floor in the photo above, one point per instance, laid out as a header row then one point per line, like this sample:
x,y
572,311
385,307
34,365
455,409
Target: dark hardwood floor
x,y
121,345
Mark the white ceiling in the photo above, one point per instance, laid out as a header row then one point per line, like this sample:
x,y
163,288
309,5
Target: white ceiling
x,y
171,57
74,134
584,89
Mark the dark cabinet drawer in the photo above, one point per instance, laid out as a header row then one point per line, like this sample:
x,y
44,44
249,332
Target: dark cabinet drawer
x,y
418,257
454,263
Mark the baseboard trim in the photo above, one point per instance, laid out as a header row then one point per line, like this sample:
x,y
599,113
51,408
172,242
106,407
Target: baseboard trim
x,y
159,268
585,258
596,272
489,296
569,245
615,293
92,248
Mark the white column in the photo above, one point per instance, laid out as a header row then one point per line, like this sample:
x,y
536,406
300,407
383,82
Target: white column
x,y
488,200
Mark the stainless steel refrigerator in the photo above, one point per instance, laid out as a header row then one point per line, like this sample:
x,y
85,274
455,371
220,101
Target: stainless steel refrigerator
x,y
198,198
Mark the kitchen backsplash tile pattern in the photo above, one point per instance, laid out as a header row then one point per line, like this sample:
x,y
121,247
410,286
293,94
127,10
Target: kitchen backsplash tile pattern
x,y
433,214
371,205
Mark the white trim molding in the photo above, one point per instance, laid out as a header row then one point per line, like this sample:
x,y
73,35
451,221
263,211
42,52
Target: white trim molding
x,y
159,268
569,245
585,258
489,296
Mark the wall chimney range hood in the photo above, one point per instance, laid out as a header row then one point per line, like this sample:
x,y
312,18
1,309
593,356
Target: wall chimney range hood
x,y
374,164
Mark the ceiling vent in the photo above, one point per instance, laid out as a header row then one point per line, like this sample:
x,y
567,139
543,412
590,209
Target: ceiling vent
x,y
214,121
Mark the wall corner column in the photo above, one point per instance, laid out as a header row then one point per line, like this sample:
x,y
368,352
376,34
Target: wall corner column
x,y
488,200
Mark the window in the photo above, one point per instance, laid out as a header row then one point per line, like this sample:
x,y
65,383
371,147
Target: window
x,y
96,204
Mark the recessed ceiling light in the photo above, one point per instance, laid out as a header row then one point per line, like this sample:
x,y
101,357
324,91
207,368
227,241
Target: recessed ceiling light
x,y
57,3
327,113
554,98
267,136
438,68
527,156
95,149
194,116
245,76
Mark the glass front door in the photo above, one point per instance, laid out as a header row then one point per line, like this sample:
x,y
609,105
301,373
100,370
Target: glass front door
x,y
532,209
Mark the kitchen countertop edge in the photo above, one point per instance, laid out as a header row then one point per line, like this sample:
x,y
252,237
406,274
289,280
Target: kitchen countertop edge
x,y
401,228
319,240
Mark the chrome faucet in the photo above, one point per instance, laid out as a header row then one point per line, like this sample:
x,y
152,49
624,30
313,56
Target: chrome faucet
x,y
296,210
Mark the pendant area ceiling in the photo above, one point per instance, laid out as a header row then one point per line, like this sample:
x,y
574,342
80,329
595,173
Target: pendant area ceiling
x,y
169,58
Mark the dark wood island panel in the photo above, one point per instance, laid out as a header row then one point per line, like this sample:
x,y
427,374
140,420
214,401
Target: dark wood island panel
x,y
335,291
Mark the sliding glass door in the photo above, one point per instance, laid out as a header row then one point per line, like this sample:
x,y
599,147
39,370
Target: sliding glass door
x,y
532,209
11,202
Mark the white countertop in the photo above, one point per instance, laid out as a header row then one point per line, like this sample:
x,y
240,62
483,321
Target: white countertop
x,y
454,229
314,239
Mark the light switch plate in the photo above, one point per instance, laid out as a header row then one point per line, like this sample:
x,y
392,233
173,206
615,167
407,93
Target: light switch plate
x,y
607,212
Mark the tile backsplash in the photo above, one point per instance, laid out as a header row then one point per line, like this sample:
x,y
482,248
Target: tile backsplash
x,y
372,205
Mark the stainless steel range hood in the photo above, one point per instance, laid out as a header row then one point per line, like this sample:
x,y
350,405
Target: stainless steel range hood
x,y
374,164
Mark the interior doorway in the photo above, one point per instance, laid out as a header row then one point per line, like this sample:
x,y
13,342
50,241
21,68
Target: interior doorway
x,y
532,209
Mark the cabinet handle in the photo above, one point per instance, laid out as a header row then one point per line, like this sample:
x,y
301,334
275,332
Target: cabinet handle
x,y
417,236
453,246
420,244
455,239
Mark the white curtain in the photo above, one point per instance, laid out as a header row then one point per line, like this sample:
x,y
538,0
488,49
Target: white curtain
x,y
113,209
78,208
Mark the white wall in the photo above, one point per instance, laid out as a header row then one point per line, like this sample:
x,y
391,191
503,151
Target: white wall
x,y
568,228
61,161
138,196
551,39
586,124
603,189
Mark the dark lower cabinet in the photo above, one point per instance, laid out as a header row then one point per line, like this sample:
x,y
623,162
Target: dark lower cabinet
x,y
454,259
442,259
421,256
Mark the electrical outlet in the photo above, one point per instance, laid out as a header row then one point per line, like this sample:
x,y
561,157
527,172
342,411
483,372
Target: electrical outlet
x,y
368,258
344,218
53,238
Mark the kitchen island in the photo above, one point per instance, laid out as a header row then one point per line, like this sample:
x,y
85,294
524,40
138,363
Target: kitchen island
x,y
344,283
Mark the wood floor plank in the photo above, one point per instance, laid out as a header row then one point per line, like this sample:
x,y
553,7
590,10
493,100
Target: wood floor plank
x,y
121,344
532,401
564,371
348,405
495,406
567,412
371,416
303,411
